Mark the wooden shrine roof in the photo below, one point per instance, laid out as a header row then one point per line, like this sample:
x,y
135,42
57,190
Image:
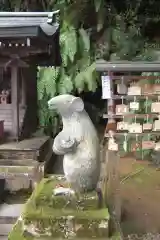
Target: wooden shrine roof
x,y
127,66
27,24
29,36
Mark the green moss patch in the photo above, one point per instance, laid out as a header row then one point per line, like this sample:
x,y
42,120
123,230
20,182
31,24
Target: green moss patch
x,y
47,212
43,204
17,233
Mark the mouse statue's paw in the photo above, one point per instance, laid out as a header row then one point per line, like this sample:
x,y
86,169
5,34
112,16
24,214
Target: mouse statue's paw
x,y
67,143
63,145
57,149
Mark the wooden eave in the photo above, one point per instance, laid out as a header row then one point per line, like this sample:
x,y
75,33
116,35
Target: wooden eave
x,y
25,31
33,35
127,66
27,24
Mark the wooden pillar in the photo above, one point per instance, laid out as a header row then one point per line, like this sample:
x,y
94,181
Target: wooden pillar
x,y
111,125
23,90
111,183
112,192
15,101
113,159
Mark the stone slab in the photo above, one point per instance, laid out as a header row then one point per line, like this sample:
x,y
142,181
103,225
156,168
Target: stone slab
x,y
11,210
17,162
17,183
33,143
5,229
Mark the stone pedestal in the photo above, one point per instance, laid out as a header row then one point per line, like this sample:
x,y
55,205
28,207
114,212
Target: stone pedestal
x,y
49,216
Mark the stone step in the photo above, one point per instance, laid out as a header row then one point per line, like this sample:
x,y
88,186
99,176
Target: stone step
x,y
7,221
10,175
9,213
15,182
3,238
16,169
11,210
18,154
5,229
18,177
17,162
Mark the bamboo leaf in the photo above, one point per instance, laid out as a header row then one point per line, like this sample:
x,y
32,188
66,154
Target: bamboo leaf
x,y
65,84
64,50
85,39
79,80
47,81
71,43
88,76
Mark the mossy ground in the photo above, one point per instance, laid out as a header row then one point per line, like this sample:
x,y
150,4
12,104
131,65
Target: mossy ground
x,y
140,191
47,211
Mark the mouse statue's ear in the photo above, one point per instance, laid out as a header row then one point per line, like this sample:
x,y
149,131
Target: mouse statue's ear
x,y
77,105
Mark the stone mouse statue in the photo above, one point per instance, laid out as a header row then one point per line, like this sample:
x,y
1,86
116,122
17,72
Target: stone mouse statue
x,y
78,142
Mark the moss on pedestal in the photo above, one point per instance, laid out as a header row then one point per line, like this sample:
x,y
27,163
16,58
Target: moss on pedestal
x,y
17,233
51,217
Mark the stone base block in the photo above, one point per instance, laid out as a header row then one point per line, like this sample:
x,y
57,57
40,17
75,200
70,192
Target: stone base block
x,y
49,216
